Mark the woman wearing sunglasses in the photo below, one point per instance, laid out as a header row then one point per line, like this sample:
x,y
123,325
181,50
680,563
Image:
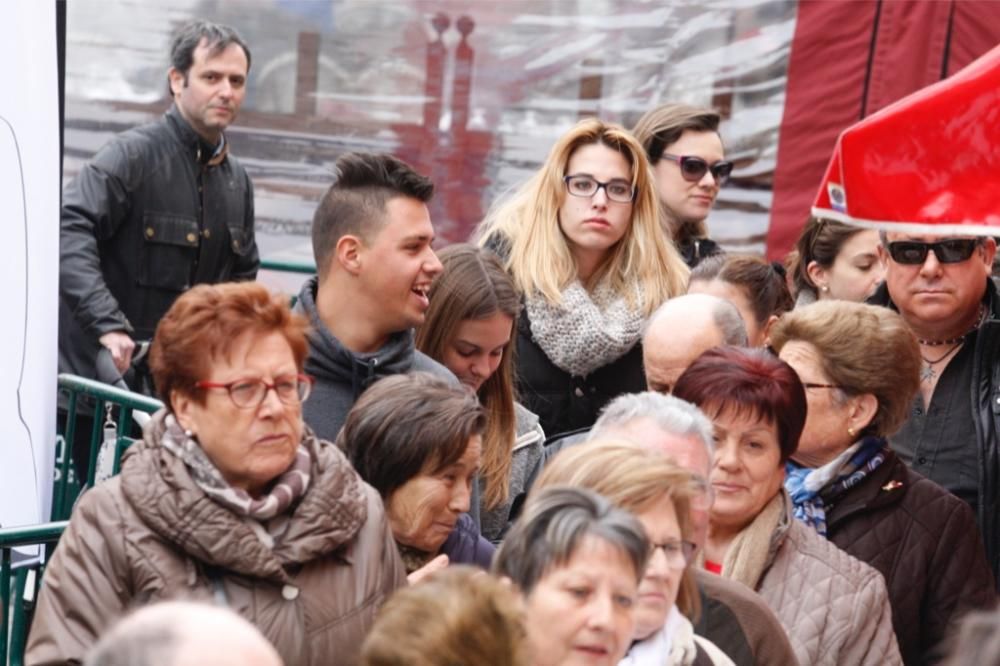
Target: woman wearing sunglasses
x,y
860,365
229,497
582,241
685,150
658,492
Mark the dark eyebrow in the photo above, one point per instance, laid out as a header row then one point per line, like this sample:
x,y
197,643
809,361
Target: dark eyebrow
x,y
418,237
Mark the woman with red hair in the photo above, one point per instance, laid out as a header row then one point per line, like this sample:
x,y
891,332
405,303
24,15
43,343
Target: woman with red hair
x,y
835,608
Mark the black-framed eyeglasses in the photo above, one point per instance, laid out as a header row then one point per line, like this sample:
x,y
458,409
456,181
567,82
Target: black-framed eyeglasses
x,y
617,189
678,553
949,251
693,168
250,393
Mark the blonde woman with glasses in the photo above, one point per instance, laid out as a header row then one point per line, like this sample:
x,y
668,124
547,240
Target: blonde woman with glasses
x,y
583,242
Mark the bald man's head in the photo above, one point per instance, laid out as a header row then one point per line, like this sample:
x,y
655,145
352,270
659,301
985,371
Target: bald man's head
x,y
681,330
182,633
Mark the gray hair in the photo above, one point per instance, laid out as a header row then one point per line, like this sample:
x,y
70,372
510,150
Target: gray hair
x,y
554,523
725,316
671,415
144,644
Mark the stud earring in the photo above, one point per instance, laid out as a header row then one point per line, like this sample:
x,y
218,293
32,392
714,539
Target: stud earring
x,y
825,289
850,431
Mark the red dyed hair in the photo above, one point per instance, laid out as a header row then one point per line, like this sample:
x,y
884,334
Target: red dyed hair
x,y
202,324
753,382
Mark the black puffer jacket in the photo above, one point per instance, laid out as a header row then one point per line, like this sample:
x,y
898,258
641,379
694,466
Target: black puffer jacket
x,y
564,402
136,232
925,543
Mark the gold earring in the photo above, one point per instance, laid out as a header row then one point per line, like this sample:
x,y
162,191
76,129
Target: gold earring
x,y
850,431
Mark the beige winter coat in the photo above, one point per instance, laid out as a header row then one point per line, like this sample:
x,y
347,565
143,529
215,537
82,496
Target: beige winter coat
x,y
834,607
152,534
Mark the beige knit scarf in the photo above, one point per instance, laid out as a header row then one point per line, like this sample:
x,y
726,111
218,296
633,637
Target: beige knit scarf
x,y
586,330
749,554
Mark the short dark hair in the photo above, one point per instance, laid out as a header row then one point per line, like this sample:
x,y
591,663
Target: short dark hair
x,y
217,38
355,203
406,424
753,382
555,522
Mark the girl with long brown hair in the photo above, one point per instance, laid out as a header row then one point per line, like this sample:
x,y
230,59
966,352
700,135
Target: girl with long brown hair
x,y
469,328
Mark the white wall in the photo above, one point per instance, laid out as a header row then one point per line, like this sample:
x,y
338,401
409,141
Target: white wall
x,y
29,259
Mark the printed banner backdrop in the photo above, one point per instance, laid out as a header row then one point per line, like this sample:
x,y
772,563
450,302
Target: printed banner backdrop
x,y
927,164
29,213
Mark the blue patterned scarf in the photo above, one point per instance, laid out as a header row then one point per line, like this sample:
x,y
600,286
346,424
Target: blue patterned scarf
x,y
847,470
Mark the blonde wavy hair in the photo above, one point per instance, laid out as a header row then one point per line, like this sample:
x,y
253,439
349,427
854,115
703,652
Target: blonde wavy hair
x,y
638,478
536,253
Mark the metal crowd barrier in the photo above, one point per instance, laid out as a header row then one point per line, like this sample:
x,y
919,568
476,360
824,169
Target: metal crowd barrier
x,y
107,401
19,587
287,266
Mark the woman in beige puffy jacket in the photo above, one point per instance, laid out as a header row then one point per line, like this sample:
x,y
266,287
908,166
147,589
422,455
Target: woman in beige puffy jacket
x,y
228,497
834,607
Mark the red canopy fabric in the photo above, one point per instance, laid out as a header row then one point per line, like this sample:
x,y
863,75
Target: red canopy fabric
x,y
929,163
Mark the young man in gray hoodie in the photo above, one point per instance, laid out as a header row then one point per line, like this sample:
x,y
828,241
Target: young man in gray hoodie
x,y
371,238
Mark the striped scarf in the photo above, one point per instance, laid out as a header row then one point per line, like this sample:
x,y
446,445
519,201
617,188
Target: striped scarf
x,y
805,485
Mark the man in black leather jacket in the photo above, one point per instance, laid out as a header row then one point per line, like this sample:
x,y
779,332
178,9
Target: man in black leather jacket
x,y
942,288
160,208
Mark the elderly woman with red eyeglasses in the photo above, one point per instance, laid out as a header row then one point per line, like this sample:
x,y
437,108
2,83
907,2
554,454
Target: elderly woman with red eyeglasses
x,y
228,497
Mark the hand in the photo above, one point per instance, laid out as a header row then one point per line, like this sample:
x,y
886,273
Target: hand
x,y
121,346
435,565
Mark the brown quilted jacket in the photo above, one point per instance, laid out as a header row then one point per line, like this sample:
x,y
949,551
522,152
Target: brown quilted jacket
x,y
834,607
151,534
925,543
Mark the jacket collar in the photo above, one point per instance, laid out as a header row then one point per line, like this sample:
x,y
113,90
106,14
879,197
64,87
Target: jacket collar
x,y
201,149
160,489
886,485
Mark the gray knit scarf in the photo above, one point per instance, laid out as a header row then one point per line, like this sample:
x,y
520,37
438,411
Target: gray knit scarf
x,y
586,331
288,488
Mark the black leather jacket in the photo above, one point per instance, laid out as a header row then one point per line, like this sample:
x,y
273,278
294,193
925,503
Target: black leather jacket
x,y
985,396
144,220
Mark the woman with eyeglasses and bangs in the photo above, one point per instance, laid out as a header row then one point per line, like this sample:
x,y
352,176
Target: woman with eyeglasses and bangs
x,y
583,242
685,150
229,497
658,492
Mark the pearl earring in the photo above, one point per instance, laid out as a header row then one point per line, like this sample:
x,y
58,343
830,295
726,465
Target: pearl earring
x,y
824,289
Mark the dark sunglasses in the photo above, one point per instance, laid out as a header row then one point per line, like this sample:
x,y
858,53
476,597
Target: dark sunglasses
x,y
694,168
951,251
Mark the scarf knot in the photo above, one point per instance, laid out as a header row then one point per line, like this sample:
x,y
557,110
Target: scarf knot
x,y
807,487
286,490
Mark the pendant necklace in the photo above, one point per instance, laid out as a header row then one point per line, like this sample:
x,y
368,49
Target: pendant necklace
x,y
927,372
